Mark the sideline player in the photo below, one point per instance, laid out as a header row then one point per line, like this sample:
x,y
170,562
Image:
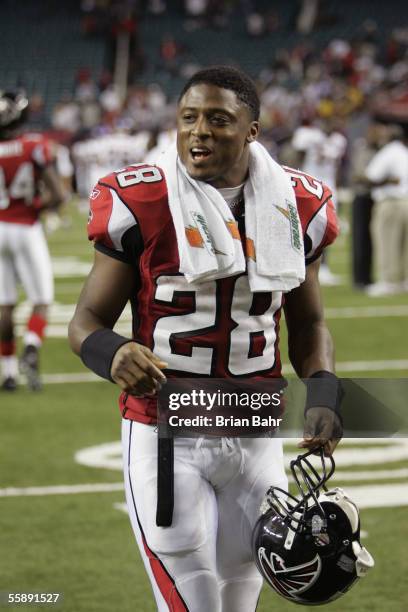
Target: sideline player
x,y
203,560
26,161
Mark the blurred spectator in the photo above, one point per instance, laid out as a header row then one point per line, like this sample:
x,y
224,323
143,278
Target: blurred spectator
x,y
170,51
64,167
307,16
156,7
37,118
110,100
85,88
255,24
90,114
105,79
156,98
145,107
363,150
368,32
195,8
159,142
66,115
387,174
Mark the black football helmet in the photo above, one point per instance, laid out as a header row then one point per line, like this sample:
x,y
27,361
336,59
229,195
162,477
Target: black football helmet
x,y
13,109
307,547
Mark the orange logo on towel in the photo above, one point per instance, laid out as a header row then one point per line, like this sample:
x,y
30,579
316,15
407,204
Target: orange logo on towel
x,y
283,211
194,237
233,229
250,249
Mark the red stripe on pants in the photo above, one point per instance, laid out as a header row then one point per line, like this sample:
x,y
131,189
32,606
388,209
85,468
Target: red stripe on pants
x,y
165,582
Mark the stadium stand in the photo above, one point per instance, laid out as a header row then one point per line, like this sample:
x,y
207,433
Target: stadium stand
x,y
42,48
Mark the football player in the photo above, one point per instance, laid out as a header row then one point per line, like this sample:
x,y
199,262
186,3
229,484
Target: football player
x,y
200,559
26,162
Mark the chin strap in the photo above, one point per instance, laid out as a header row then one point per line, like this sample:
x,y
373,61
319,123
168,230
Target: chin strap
x,y
364,560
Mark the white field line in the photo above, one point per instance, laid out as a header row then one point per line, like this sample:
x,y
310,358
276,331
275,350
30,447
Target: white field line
x,y
61,489
68,288
123,508
62,313
108,455
61,331
370,366
370,451
67,377
345,476
365,496
394,365
70,267
379,496
366,312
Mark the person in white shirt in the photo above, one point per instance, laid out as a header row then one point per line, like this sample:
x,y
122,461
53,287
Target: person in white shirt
x,y
387,174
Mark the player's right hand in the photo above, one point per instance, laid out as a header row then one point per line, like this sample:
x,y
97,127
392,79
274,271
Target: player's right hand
x,y
137,370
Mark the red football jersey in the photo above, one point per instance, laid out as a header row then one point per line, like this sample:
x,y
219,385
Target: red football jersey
x,y
21,161
212,329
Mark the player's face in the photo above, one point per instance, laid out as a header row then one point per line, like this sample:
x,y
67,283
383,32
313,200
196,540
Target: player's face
x,y
214,130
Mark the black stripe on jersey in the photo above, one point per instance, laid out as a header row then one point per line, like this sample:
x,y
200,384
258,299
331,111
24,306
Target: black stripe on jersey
x,y
132,244
314,258
132,241
140,526
132,249
102,248
307,239
138,235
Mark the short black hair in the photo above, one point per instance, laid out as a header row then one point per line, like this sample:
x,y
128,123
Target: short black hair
x,y
231,78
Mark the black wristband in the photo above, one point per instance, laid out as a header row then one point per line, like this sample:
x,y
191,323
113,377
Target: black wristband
x,y
99,349
326,392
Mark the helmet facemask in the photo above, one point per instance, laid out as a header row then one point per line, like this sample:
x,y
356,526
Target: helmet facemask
x,y
309,483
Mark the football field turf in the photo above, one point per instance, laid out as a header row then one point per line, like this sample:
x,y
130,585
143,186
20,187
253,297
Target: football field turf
x,y
63,525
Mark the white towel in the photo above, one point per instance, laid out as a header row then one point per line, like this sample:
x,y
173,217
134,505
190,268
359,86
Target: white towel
x,y
207,234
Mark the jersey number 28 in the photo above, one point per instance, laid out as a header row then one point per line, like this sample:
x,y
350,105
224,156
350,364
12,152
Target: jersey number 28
x,y
203,319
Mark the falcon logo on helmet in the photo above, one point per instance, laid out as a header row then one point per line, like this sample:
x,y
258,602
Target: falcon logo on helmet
x,y
289,581
308,547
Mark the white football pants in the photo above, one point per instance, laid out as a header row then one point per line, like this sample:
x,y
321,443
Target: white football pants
x,y
24,257
203,562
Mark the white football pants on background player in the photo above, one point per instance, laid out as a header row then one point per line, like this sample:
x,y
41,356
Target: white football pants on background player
x,y
203,562
24,256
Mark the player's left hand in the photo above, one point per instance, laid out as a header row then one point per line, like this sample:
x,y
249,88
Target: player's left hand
x,y
322,428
